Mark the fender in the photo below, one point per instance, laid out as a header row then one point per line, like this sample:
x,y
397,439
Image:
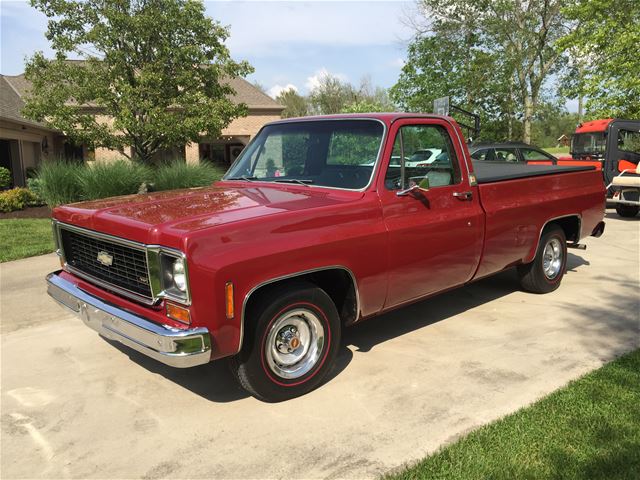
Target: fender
x,y
532,255
294,275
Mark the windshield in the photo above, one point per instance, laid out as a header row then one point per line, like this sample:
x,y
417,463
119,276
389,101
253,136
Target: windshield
x,y
591,143
328,153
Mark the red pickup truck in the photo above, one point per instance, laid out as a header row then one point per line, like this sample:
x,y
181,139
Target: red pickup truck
x,y
320,223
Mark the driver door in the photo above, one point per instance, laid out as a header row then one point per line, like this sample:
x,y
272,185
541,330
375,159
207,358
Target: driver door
x,y
435,231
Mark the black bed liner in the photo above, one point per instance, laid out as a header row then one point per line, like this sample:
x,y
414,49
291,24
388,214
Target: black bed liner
x,y
487,172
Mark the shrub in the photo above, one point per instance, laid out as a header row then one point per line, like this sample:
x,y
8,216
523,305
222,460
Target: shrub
x,y
16,199
34,185
59,182
103,180
179,174
5,177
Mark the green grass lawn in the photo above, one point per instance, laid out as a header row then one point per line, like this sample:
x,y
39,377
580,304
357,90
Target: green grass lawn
x,y
25,237
587,430
557,150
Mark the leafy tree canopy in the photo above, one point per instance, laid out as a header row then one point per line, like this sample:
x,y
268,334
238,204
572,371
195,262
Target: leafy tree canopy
x,y
492,57
157,68
606,44
333,95
295,105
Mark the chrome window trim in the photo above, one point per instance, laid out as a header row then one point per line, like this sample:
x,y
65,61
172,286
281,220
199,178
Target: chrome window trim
x,y
293,275
448,121
374,170
152,253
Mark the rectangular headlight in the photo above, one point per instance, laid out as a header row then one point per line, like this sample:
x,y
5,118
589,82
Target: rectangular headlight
x,y
168,274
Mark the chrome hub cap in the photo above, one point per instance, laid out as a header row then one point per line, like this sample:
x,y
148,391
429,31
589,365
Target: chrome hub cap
x,y
552,258
294,343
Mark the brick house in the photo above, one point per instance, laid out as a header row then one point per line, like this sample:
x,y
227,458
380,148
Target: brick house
x,y
25,143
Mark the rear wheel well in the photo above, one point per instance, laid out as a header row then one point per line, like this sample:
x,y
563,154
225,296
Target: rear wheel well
x,y
570,225
338,283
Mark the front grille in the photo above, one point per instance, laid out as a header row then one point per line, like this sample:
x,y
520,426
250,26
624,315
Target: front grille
x,y
128,265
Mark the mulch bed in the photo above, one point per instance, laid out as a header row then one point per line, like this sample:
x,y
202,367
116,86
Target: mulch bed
x,y
33,212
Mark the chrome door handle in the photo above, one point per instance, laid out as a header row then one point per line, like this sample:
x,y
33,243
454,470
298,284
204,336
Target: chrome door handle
x,y
463,195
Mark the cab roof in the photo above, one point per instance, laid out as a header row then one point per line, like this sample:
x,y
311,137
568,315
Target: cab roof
x,y
387,117
594,126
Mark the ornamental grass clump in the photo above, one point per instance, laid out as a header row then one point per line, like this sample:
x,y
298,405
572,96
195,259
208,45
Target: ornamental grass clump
x,y
179,174
59,182
121,177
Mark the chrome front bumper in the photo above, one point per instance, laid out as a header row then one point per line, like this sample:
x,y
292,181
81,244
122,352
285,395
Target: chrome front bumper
x,y
171,346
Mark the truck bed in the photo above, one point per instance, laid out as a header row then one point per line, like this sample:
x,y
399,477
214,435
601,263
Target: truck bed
x,y
488,172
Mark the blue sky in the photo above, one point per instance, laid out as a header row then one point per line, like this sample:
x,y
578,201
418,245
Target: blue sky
x,y
288,43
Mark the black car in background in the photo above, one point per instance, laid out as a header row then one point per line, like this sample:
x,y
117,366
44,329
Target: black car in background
x,y
512,152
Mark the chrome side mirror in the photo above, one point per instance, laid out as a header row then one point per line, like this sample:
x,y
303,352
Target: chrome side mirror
x,y
422,185
407,191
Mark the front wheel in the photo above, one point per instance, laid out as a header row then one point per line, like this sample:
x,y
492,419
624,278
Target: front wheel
x,y
627,211
545,273
292,339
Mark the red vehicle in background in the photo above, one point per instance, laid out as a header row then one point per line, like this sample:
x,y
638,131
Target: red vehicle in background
x,y
613,146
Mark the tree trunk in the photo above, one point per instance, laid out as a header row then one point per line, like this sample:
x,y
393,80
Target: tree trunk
x,y
580,107
528,116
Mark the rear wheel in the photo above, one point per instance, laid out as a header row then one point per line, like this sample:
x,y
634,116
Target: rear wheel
x,y
545,273
628,211
293,335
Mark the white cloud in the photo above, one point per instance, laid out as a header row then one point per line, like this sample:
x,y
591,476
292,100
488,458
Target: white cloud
x,y
314,80
277,89
266,28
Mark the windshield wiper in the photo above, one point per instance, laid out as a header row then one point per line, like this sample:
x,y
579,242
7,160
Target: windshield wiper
x,y
243,177
304,181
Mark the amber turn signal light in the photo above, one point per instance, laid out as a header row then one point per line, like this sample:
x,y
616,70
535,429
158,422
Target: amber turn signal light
x,y
228,295
180,314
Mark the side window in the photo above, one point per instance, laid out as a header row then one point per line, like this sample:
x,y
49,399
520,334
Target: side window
x,y
506,155
437,168
482,154
530,154
629,141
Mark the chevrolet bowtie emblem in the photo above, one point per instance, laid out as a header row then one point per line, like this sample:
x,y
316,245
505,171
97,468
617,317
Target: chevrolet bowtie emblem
x,y
105,258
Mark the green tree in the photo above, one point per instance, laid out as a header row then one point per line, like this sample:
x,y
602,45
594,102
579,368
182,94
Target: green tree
x,y
607,35
157,68
368,98
295,105
331,95
493,57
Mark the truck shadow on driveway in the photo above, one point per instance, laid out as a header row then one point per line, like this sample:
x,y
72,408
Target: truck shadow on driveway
x,y
216,383
369,333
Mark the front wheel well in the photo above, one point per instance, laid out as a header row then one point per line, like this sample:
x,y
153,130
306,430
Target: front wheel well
x,y
338,282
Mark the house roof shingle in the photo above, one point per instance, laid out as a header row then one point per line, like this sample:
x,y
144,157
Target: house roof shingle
x,y
11,103
245,92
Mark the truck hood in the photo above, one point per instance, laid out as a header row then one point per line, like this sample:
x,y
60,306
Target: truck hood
x,y
149,218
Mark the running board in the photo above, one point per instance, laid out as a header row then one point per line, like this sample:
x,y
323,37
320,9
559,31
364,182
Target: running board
x,y
579,246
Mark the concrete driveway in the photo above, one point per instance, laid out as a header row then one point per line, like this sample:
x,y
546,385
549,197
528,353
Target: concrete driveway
x,y
74,405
